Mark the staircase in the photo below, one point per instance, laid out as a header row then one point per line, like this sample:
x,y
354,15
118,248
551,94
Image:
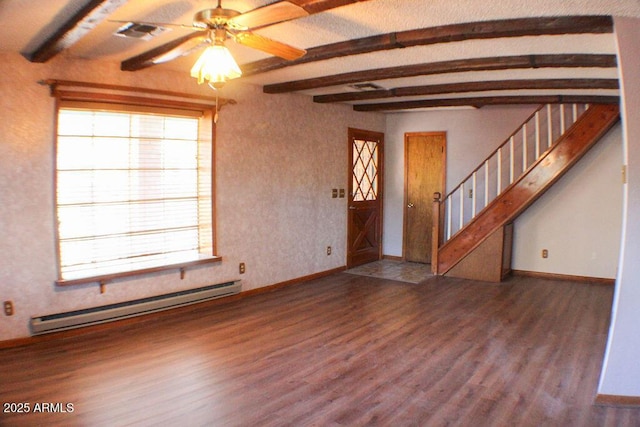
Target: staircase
x,y
472,224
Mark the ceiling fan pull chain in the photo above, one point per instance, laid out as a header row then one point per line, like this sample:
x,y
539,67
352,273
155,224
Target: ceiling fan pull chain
x,y
215,116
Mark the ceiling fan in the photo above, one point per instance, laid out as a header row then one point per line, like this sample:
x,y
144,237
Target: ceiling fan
x,y
214,26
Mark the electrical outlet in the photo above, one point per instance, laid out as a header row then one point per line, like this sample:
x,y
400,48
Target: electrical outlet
x,y
545,253
242,268
328,250
8,308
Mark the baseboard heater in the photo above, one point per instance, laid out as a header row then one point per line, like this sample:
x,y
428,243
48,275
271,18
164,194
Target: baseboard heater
x,y
123,310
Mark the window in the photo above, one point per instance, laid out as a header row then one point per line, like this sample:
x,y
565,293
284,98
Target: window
x,y
133,189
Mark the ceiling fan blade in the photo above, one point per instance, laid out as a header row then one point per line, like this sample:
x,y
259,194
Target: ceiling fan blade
x,y
157,24
268,15
183,49
268,45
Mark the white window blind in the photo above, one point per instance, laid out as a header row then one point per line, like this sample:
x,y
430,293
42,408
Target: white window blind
x,y
133,191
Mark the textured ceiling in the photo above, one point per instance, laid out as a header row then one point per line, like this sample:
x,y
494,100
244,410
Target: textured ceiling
x,y
26,24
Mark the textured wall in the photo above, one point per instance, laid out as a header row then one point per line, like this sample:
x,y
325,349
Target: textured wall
x,y
278,157
621,370
579,220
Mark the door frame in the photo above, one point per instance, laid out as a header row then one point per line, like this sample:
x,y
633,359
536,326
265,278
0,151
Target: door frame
x,y
407,135
367,135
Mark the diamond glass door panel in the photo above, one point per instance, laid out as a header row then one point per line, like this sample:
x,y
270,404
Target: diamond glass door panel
x,y
365,170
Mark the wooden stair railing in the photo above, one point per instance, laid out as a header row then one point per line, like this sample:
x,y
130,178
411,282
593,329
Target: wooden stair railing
x,y
523,191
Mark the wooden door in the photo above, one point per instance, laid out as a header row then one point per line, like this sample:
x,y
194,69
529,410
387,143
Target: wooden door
x,y
364,217
425,155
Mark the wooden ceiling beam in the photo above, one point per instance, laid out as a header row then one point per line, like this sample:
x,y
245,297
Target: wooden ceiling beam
x,y
317,6
459,65
480,86
146,59
74,28
443,34
490,100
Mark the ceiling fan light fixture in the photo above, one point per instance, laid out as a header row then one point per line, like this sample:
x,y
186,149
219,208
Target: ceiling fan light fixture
x,y
215,66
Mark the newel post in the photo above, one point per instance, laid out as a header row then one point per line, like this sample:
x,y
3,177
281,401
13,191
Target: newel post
x,y
435,232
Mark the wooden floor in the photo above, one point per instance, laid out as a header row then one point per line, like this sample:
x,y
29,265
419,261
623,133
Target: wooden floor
x,y
344,350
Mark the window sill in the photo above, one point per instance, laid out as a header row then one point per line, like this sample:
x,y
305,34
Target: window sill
x,y
112,276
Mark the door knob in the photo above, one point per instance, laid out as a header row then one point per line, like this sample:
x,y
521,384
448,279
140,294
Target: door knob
x,y
352,207
410,205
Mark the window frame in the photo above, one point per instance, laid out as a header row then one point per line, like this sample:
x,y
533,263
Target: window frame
x,y
119,98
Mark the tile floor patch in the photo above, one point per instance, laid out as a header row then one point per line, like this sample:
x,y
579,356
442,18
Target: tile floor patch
x,y
394,270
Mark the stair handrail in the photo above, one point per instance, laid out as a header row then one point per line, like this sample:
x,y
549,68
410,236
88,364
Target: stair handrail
x,y
481,164
445,222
